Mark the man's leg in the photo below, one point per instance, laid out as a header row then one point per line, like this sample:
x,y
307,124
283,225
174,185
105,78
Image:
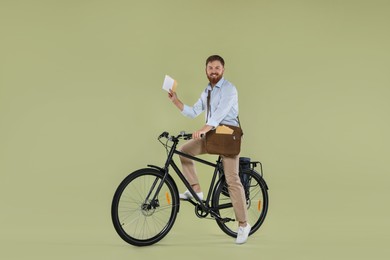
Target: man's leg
x,y
193,147
237,196
236,190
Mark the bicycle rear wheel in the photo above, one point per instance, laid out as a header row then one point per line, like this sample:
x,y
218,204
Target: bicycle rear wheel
x,y
256,193
138,218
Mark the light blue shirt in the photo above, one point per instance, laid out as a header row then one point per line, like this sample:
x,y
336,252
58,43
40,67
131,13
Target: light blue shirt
x,y
223,105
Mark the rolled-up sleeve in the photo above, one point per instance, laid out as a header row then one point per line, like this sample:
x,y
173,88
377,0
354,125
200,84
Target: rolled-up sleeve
x,y
196,109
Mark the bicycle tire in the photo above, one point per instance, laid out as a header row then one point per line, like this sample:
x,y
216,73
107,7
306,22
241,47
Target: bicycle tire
x,y
256,192
140,222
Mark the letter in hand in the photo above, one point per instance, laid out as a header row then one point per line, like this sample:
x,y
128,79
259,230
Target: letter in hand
x,y
172,95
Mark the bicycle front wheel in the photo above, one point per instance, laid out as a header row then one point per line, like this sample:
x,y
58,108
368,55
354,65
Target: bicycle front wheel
x,y
140,216
256,193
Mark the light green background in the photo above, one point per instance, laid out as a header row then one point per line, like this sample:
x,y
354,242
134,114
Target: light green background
x,y
81,106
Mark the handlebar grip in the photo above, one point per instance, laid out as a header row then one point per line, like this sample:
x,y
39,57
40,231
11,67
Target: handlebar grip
x,y
187,136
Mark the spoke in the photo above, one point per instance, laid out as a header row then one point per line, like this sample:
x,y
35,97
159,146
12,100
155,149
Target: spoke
x,y
141,217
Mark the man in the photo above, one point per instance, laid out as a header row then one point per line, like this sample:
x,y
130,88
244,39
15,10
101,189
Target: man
x,y
223,110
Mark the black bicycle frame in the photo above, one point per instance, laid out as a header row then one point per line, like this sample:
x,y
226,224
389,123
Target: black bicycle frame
x,y
216,167
170,162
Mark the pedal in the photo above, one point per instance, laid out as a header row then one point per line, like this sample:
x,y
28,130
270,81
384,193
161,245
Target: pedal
x,y
219,218
225,220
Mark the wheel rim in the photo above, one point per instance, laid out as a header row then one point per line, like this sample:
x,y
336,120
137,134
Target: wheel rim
x,y
138,221
257,204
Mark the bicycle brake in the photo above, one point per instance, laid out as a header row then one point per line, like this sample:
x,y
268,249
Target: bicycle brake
x,y
164,134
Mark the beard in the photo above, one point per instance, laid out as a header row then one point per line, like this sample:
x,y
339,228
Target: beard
x,y
214,78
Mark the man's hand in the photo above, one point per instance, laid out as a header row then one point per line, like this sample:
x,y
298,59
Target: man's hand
x,y
172,96
198,134
175,100
201,132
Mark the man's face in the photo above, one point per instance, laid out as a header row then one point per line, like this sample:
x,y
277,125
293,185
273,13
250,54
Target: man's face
x,y
214,71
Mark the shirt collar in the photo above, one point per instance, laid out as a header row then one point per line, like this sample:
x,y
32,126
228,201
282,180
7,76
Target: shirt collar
x,y
218,85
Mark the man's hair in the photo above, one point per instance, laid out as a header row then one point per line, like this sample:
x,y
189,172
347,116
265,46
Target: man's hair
x,y
214,58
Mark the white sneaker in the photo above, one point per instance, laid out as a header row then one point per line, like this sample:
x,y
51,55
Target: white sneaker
x,y
242,234
187,195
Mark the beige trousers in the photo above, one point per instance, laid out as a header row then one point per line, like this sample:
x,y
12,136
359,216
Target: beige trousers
x,y
196,147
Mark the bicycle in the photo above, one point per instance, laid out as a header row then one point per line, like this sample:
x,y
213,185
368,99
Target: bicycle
x,y
146,202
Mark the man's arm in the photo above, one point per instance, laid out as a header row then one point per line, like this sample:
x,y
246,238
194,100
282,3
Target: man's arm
x,y
202,131
175,100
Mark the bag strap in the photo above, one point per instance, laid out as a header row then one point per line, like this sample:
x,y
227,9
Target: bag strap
x,y
239,123
208,105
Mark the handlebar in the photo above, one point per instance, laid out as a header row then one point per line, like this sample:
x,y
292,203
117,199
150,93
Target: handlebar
x,y
182,135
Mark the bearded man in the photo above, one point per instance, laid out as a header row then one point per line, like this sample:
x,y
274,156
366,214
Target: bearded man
x,y
220,101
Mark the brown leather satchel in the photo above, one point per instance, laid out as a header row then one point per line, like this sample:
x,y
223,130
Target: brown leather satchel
x,y
224,143
225,139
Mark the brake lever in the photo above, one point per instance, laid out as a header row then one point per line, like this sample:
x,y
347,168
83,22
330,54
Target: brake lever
x,y
164,134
